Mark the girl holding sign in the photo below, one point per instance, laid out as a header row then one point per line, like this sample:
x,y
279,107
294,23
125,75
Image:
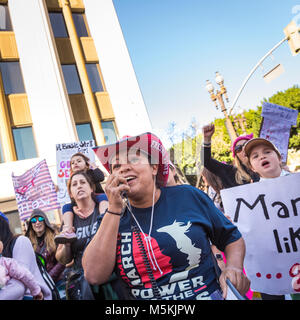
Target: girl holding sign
x,y
265,159
80,162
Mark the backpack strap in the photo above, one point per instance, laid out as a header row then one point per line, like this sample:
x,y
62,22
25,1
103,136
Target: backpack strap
x,y
40,260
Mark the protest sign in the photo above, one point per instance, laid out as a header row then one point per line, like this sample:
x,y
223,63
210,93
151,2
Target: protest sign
x,y
267,214
276,126
279,113
35,190
64,152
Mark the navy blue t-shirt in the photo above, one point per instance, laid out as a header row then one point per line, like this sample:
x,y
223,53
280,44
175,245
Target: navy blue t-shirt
x,y
185,221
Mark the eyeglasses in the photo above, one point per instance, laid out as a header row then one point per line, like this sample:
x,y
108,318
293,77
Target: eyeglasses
x,y
39,219
239,148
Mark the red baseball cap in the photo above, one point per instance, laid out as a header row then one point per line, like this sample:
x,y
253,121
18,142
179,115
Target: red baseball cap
x,y
146,142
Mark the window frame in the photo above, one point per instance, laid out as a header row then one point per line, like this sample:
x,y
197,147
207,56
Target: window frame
x,y
78,77
114,129
14,129
7,63
91,127
7,14
1,152
99,75
82,14
64,23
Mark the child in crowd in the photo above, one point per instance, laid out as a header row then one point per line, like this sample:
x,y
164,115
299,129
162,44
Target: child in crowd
x,y
11,269
265,159
79,162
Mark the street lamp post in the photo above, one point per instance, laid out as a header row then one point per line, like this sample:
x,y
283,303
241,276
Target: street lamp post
x,y
218,96
243,123
240,121
292,35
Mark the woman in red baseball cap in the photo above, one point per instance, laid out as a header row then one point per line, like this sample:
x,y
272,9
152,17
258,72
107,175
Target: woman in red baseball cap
x,y
158,238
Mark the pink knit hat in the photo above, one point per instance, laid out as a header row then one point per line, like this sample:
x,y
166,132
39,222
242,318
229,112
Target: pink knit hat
x,y
246,137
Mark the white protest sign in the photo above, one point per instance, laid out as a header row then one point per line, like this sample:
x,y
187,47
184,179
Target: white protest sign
x,y
64,151
267,214
276,126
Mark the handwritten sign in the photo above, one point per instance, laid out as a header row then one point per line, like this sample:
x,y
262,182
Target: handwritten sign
x,y
276,126
64,152
35,190
279,134
267,214
279,113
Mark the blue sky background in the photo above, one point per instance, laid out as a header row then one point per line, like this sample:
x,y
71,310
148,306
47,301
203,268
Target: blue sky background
x,y
176,45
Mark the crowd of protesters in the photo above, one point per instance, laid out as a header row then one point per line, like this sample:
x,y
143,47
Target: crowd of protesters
x,y
143,232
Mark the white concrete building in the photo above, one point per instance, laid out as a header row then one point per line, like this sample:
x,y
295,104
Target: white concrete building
x,y
66,76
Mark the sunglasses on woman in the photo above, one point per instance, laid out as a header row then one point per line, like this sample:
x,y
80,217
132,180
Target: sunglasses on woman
x,y
239,147
39,219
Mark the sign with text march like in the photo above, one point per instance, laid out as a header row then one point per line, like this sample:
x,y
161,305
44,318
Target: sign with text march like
x,y
267,214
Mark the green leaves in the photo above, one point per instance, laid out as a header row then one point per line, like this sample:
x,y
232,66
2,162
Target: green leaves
x,y
187,153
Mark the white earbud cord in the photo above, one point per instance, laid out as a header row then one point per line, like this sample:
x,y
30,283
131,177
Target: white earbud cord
x,y
148,238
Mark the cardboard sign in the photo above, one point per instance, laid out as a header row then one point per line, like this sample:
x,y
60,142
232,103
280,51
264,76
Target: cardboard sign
x,y
267,214
35,190
276,126
64,152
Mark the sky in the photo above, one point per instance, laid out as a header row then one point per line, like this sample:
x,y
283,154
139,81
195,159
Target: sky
x,y
176,45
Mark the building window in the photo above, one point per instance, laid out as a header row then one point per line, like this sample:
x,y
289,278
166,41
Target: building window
x,y
58,25
109,132
1,154
85,132
5,22
12,77
24,143
71,78
94,77
80,25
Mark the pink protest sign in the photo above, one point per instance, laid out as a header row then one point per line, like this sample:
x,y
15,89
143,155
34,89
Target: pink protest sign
x,y
35,190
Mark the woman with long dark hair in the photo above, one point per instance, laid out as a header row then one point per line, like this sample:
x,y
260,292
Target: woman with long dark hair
x,y
80,162
41,234
81,190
